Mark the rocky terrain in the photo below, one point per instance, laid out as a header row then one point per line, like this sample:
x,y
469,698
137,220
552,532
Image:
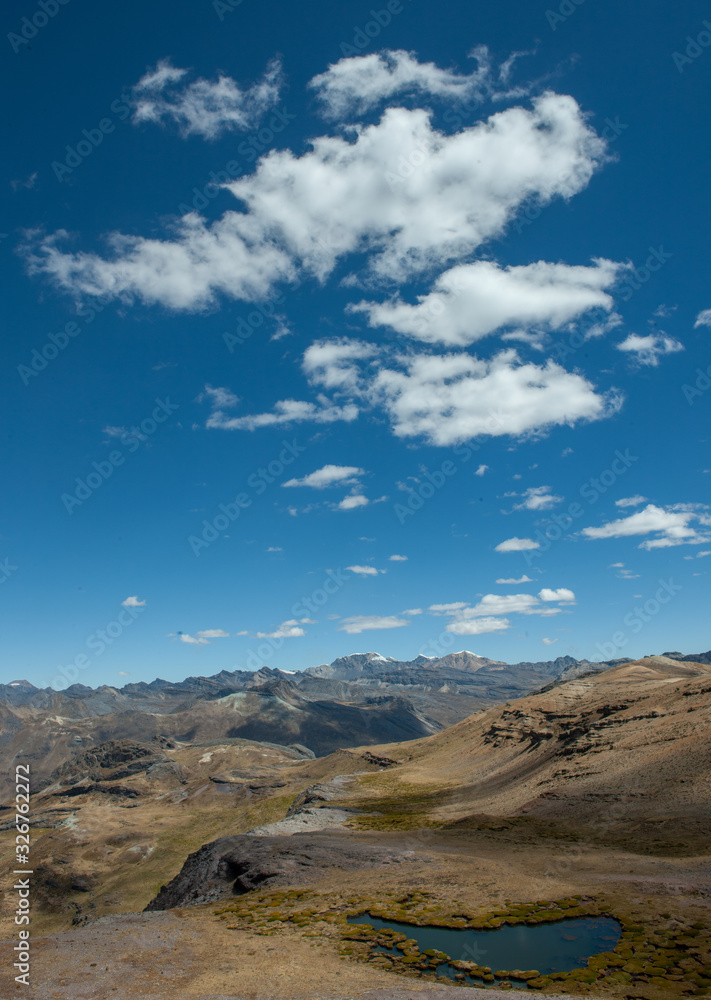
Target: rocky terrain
x,y
357,699
626,749
596,787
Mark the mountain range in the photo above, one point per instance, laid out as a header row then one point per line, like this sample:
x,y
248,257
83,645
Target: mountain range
x,y
363,698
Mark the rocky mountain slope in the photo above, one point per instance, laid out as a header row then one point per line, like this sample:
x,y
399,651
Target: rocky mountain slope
x,y
624,750
465,669
274,711
357,699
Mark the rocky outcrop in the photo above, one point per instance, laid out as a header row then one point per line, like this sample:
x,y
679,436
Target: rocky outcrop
x,y
233,866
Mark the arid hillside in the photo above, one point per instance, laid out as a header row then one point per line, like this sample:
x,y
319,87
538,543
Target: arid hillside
x,y
626,749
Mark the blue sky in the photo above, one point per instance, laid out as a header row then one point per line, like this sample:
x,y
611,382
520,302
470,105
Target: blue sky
x,y
333,328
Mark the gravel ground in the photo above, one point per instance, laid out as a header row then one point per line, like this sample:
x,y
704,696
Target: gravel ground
x,y
162,956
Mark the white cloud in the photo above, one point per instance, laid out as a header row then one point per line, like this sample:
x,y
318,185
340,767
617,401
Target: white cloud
x,y
492,607
634,501
353,502
299,215
353,86
517,545
193,640
213,633
133,602
398,558
482,470
124,673
287,411
126,434
524,579
290,629
670,525
498,604
471,301
538,498
702,555
549,642
480,626
446,609
366,623
275,548
332,363
562,595
647,350
204,107
28,183
329,475
413,611
363,570
452,398
627,574
703,319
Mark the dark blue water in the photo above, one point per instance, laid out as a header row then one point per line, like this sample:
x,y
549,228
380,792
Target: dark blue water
x,y
555,947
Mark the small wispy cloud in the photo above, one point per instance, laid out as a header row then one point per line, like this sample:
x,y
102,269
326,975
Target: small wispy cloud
x,y
517,545
329,475
634,501
290,629
193,640
353,502
649,349
204,107
538,498
366,623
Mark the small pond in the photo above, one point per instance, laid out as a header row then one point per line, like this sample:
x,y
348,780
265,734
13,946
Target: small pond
x,y
552,947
